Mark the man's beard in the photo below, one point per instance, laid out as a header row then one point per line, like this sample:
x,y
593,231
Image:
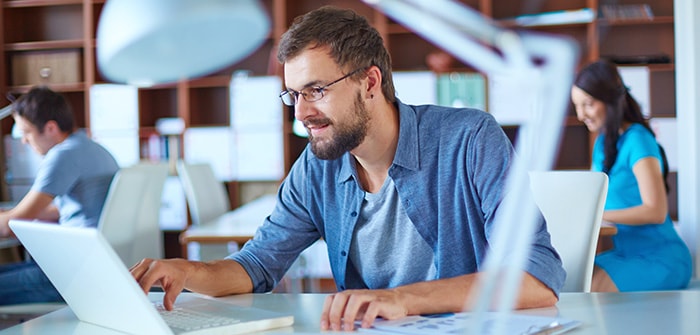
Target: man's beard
x,y
348,135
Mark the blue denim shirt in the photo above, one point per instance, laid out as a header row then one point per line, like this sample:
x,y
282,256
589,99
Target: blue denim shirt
x,y
449,170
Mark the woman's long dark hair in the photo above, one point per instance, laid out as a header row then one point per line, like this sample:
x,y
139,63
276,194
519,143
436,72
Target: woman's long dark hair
x,y
602,81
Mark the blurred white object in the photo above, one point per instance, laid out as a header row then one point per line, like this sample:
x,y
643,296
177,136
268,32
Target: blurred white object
x,y
22,164
159,41
6,111
170,126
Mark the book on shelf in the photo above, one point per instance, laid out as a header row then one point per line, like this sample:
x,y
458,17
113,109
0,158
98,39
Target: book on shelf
x,y
658,58
569,16
627,12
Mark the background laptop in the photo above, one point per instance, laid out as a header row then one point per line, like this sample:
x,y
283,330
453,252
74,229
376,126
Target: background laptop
x,y
100,290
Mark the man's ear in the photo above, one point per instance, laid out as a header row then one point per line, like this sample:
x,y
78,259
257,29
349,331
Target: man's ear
x,y
374,82
51,128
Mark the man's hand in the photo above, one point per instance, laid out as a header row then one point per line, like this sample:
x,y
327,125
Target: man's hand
x,y
341,310
170,274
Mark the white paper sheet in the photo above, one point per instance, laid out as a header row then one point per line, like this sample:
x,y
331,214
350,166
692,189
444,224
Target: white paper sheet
x,y
122,144
259,155
173,208
509,101
416,87
458,323
113,107
666,130
255,102
636,79
213,145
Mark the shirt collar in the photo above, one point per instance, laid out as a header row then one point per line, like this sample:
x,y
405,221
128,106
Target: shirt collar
x,y
407,154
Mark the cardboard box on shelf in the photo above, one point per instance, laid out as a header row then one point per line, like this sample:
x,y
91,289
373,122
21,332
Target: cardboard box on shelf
x,y
46,67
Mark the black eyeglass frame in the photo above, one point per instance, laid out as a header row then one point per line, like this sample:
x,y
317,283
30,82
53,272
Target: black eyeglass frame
x,y
313,93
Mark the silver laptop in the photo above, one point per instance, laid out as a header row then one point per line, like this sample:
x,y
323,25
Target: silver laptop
x,y
100,290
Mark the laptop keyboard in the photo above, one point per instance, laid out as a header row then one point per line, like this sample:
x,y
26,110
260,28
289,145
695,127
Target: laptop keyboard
x,y
188,320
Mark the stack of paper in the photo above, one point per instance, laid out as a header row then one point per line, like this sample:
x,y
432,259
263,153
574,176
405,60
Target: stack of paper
x,y
463,323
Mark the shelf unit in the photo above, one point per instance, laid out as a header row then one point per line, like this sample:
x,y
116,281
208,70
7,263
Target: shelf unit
x,y
599,38
49,25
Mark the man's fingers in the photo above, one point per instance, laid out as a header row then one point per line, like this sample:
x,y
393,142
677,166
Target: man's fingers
x,y
371,314
333,310
169,299
356,304
325,322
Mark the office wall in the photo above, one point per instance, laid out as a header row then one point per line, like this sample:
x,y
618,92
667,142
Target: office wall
x,y
687,45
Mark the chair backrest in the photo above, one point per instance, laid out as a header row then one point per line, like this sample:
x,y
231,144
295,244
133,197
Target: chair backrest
x,y
130,216
206,197
572,203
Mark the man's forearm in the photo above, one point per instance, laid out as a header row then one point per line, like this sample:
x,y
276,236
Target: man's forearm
x,y
437,296
219,278
456,294
4,225
49,214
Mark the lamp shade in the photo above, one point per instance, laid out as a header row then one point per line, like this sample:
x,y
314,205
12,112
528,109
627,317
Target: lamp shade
x,y
147,42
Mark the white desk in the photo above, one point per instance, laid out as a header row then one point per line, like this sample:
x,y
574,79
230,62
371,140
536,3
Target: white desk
x,y
238,225
672,312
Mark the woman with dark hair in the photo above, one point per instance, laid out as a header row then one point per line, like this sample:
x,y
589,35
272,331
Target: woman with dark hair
x,y
648,254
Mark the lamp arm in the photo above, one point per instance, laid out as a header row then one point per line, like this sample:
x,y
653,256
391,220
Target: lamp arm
x,y
474,38
6,111
546,63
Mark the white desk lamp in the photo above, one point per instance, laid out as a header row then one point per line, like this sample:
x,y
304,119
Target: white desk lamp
x,y
5,112
147,42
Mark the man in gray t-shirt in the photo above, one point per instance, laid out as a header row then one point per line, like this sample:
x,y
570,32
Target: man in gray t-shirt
x,y
70,187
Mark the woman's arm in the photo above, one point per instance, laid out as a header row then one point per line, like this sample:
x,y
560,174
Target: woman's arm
x,y
654,207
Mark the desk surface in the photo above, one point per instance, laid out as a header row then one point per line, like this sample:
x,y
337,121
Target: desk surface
x,y
668,312
608,229
238,225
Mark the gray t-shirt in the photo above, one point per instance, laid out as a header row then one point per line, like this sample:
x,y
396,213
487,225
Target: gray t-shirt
x,y
387,250
78,173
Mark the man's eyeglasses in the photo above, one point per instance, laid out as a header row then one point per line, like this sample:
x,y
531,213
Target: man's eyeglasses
x,y
310,94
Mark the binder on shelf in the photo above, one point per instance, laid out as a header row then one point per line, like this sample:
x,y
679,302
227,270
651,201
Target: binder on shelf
x,y
627,12
459,89
583,15
659,58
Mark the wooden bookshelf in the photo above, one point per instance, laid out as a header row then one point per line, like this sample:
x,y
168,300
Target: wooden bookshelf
x,y
33,25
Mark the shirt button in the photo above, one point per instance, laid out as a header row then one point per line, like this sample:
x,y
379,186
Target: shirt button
x,y
353,214
343,253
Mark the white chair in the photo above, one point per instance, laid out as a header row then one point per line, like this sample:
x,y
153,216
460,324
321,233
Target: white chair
x,y
572,203
130,216
207,199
